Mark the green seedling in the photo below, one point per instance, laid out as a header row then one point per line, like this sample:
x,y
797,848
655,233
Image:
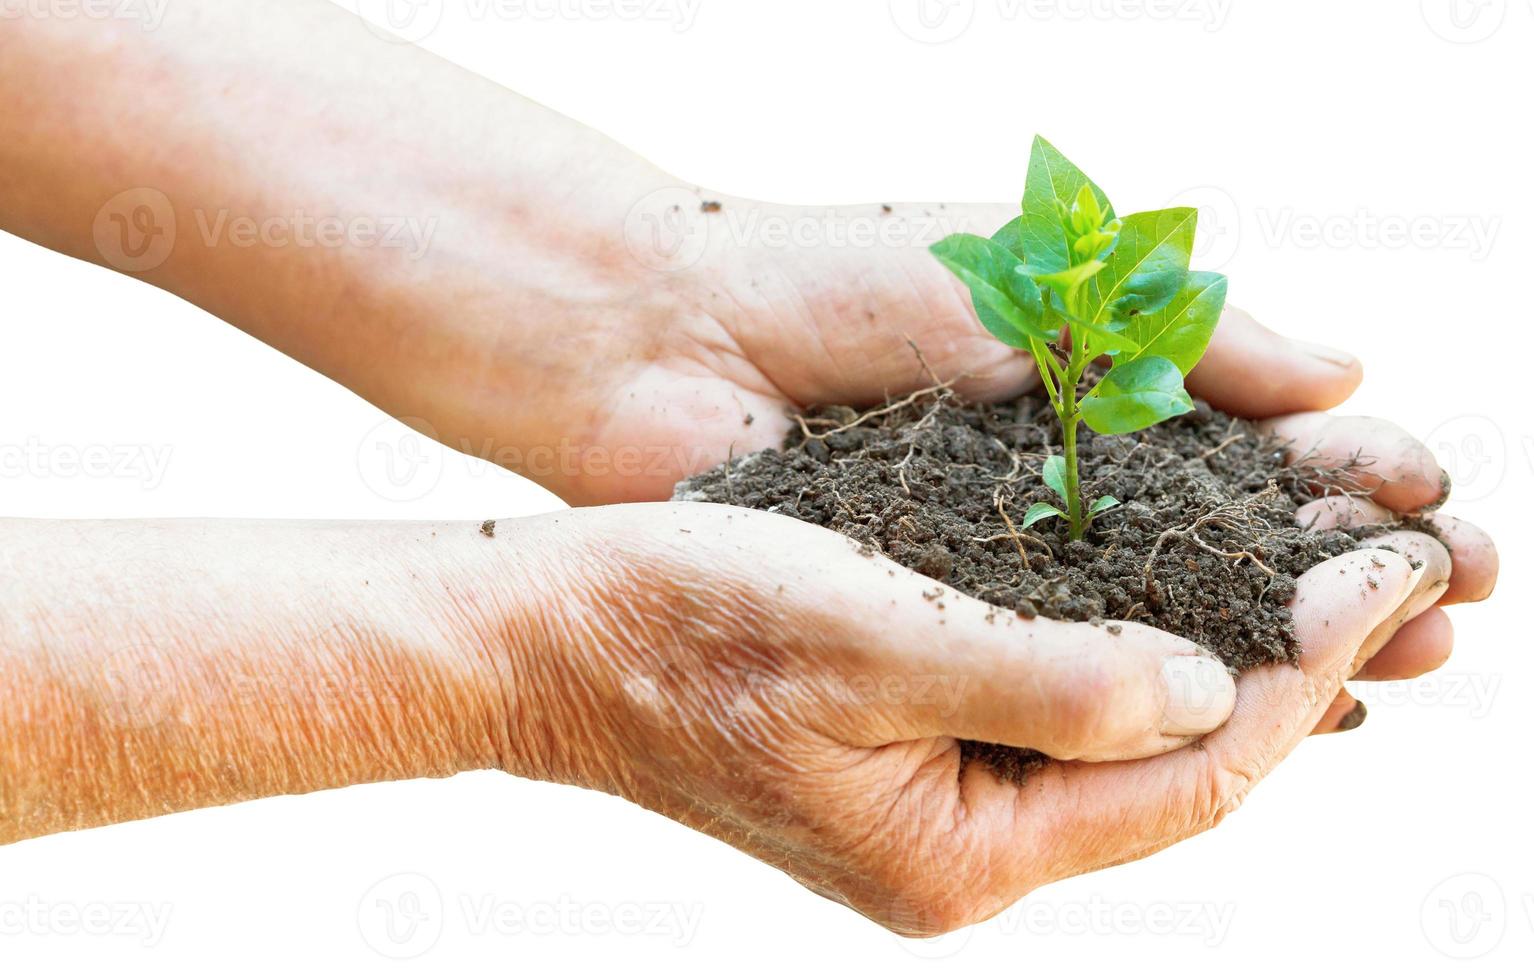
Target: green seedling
x,y
1070,282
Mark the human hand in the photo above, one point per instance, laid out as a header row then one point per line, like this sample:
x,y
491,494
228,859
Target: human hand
x,y
764,681
754,331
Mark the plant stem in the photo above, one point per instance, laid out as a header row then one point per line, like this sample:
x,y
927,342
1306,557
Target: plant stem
x,y
1068,425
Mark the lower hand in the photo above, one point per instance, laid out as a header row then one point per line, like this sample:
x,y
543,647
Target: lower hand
x,y
764,681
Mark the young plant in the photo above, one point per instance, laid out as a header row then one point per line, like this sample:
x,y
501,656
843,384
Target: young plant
x,y
1070,282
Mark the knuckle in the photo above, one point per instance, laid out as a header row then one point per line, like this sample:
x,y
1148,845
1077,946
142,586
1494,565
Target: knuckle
x,y
1099,706
924,913
1221,790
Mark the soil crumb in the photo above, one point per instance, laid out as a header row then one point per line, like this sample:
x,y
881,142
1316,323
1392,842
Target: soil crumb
x,y
487,529
1204,545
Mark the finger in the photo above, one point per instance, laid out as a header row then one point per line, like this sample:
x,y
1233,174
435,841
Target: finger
x,y
1476,563
1420,647
1102,815
1387,463
872,304
1069,690
1431,561
1345,714
1472,550
1253,372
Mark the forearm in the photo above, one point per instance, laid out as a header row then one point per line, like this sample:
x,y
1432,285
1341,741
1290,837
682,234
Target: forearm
x,y
348,200
148,668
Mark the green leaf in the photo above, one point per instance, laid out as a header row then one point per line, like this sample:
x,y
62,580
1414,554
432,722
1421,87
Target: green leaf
x,y
1054,475
1008,302
1181,332
1054,185
1108,341
1148,267
1010,237
1067,282
1103,504
1039,512
1136,395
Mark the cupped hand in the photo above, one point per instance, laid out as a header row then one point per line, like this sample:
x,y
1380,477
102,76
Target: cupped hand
x,y
713,355
768,683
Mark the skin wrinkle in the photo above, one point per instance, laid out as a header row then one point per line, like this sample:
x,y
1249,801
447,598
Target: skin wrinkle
x,y
487,338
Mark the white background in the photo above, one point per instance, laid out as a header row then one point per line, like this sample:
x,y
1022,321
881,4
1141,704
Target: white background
x,y
1401,847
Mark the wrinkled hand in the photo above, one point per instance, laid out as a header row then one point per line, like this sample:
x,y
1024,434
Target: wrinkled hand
x,y
764,681
690,365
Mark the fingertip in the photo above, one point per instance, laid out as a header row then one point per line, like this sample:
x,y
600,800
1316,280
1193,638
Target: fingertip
x,y
1476,561
1201,694
1421,646
1340,602
1346,714
1253,372
1341,512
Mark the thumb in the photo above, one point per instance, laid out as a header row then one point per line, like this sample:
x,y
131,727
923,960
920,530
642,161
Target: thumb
x,y
1069,690
1105,814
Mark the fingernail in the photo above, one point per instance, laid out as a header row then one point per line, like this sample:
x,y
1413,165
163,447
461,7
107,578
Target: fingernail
x,y
1330,355
1353,718
1445,488
1200,695
1415,580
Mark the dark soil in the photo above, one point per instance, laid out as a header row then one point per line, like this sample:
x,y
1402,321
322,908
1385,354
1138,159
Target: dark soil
x,y
1205,545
